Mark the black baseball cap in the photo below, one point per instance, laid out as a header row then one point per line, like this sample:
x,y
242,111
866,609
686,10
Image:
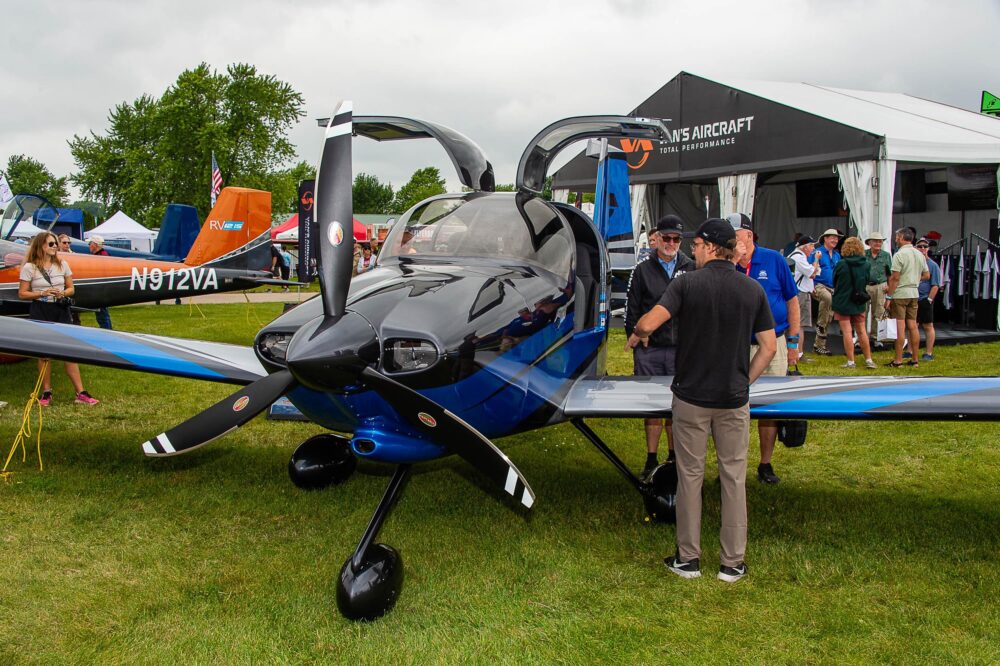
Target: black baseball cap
x,y
804,240
739,221
669,223
717,231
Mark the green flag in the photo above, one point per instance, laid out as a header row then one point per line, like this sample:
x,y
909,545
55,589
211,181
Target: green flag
x,y
990,104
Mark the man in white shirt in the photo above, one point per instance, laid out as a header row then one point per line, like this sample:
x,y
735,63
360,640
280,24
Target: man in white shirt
x,y
805,266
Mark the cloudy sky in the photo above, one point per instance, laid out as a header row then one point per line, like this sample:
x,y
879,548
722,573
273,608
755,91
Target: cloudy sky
x,y
498,72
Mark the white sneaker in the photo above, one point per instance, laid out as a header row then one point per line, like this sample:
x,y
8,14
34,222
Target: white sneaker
x,y
870,364
849,364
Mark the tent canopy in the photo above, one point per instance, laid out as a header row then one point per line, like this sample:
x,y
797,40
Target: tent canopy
x,y
121,226
291,235
722,128
290,223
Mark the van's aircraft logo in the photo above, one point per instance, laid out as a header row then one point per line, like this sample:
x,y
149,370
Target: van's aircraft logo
x,y
336,234
184,279
641,146
227,225
307,200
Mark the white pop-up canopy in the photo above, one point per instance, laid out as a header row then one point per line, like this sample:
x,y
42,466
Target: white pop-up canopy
x,y
122,227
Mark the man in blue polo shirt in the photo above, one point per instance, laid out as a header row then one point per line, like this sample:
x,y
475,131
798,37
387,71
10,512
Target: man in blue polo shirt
x,y
823,286
771,271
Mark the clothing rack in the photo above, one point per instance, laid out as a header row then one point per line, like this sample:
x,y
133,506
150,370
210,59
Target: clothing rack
x,y
963,247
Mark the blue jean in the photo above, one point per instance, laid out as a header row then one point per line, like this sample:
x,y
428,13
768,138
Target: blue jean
x,y
104,318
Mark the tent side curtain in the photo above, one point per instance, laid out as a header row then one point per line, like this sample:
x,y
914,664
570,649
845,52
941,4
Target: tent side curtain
x,y
868,190
640,210
737,193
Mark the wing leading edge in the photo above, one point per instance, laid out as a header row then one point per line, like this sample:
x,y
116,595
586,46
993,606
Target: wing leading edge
x,y
195,359
845,398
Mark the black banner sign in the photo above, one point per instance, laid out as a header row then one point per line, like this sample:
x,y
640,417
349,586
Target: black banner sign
x,y
307,270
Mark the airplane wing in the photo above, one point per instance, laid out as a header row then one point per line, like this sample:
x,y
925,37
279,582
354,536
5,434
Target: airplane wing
x,y
211,361
848,398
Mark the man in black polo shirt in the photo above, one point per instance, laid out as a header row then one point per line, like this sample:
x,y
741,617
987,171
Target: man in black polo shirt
x,y
717,310
649,280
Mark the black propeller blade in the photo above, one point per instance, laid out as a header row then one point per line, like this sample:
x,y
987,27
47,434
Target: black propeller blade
x,y
453,433
335,212
221,417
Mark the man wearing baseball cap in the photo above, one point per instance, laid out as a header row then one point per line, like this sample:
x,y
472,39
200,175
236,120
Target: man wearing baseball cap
x,y
823,288
97,247
718,310
649,280
770,270
879,262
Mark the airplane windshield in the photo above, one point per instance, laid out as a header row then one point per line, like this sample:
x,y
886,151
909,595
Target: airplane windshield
x,y
11,254
498,226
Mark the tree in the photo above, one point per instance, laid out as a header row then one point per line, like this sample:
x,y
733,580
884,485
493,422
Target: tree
x,y
371,196
424,183
158,151
29,176
284,187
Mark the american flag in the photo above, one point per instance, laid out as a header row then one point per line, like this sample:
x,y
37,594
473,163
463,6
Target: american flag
x,y
216,179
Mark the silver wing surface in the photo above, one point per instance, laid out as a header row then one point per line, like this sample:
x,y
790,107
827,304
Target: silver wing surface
x,y
846,398
178,357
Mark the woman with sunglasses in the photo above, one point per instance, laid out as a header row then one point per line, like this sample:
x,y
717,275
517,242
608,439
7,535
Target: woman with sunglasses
x,y
46,281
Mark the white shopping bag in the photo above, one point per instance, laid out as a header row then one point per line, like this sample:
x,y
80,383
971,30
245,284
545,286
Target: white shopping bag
x,y
887,329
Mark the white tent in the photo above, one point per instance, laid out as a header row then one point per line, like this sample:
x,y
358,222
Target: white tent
x,y
122,227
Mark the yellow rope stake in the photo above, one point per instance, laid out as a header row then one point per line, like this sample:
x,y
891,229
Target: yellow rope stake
x,y
25,431
250,309
192,306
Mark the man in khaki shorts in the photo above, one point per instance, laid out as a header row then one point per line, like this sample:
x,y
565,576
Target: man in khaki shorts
x,y
901,294
770,270
879,269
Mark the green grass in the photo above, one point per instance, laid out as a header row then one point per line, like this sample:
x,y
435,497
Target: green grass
x,y
880,544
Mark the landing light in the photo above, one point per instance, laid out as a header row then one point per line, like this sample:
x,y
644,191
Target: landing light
x,y
273,346
409,355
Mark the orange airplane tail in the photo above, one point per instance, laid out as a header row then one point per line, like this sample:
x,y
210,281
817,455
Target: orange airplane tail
x,y
236,233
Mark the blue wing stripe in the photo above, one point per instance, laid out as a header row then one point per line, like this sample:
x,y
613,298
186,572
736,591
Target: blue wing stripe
x,y
856,403
142,355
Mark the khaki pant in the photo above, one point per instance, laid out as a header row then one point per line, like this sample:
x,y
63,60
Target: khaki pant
x,y
876,308
823,295
730,428
805,308
778,367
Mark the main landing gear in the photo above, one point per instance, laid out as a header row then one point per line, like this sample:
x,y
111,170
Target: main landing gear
x,y
659,491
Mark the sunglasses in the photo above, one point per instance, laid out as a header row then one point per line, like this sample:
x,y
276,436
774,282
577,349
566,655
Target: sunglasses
x,y
51,244
923,247
670,239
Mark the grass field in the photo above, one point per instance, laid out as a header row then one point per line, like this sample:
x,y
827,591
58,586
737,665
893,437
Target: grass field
x,y
880,544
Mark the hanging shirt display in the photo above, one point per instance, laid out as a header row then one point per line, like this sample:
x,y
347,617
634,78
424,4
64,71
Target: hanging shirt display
x,y
984,287
961,274
996,276
977,271
946,282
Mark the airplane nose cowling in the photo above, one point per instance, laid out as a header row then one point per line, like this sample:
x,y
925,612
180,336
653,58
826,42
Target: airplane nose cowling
x,y
329,354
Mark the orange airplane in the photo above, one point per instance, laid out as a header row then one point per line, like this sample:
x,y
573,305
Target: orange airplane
x,y
232,252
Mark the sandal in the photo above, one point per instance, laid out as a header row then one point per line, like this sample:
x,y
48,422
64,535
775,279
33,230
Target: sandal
x,y
893,364
913,364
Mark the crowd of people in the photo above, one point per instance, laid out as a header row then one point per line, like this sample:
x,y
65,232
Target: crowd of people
x,y
753,301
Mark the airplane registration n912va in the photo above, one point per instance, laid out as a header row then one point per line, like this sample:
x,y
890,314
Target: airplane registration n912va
x,y
486,315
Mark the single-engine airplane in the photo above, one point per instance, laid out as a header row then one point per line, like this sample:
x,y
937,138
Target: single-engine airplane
x,y
485,316
231,252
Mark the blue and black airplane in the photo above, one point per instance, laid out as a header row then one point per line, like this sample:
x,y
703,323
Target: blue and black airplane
x,y
486,315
